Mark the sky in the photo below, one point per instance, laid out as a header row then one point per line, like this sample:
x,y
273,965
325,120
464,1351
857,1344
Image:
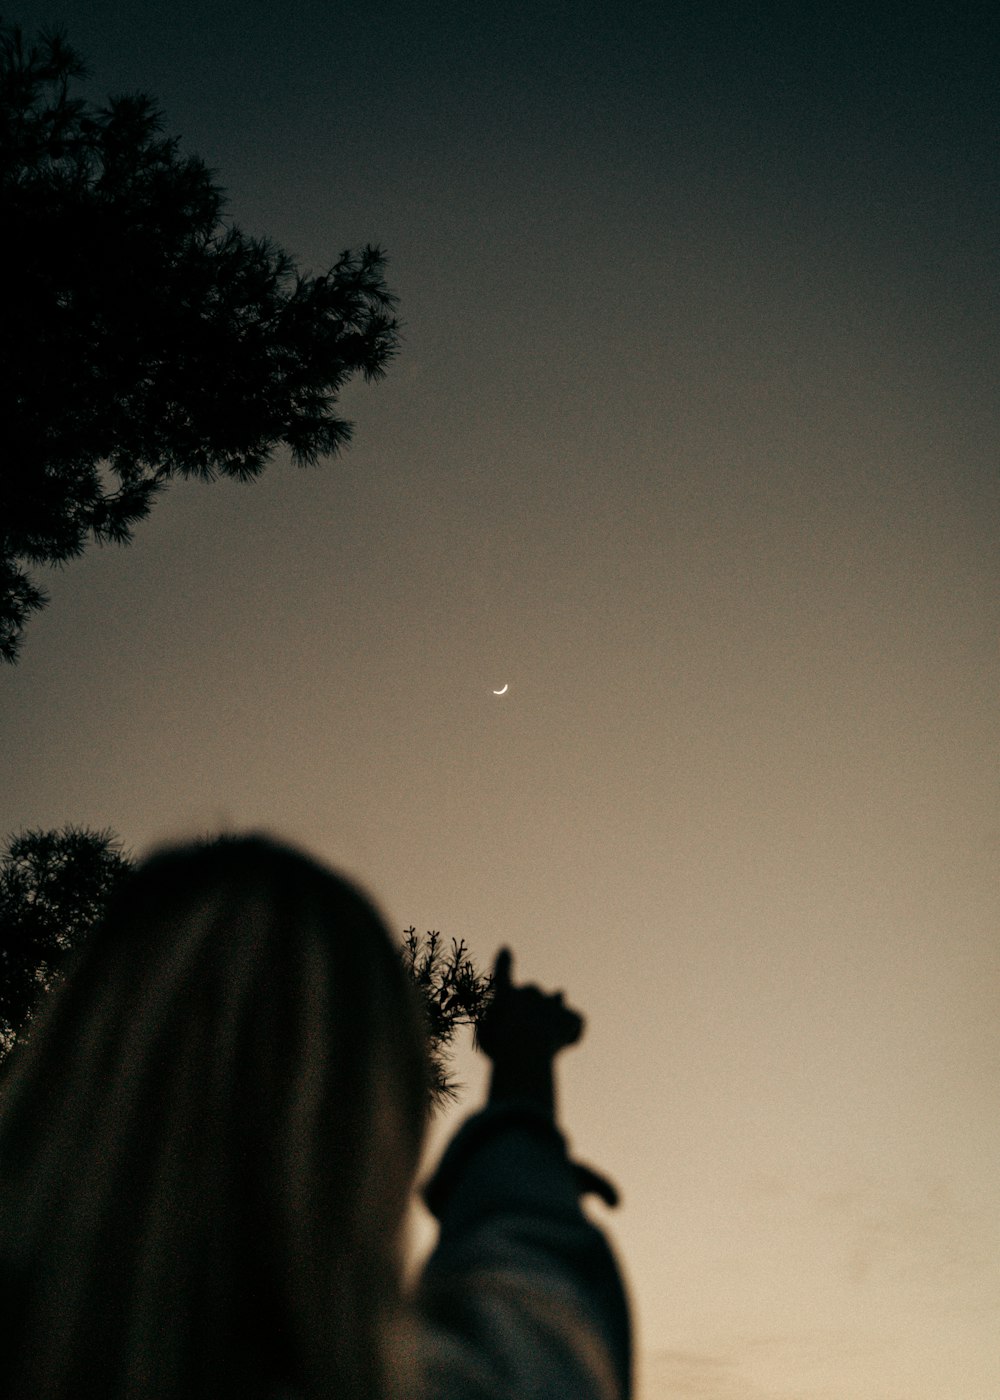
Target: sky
x,y
692,443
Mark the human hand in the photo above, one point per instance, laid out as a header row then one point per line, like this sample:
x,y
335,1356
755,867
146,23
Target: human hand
x,y
522,1031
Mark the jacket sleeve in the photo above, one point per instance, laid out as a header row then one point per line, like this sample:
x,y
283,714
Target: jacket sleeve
x,y
522,1296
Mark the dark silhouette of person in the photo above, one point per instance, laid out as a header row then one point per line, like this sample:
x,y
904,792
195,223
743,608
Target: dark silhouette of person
x,y
208,1144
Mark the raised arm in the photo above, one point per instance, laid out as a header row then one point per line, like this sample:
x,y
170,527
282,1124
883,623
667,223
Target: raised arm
x,y
522,1295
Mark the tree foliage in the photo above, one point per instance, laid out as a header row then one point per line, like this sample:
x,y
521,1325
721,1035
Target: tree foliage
x,y
54,890
142,338
54,887
453,992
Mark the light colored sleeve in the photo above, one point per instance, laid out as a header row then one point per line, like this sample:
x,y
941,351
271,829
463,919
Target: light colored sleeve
x,y
522,1296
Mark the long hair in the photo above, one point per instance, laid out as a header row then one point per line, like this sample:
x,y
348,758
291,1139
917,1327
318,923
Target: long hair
x,y
207,1145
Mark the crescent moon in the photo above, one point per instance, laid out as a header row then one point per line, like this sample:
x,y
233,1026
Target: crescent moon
x,y
501,692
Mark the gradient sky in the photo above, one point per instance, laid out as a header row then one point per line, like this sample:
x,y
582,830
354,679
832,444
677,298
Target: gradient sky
x,y
692,441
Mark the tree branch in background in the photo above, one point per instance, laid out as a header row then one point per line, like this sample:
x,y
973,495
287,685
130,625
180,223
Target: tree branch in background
x,y
142,338
54,887
454,994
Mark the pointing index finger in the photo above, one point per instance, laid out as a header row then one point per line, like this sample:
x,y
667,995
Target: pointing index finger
x,y
502,968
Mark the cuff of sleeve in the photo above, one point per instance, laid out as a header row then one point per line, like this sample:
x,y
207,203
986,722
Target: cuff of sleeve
x,y
478,1130
485,1125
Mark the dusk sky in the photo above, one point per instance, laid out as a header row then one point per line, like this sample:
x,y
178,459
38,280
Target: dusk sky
x,y
692,442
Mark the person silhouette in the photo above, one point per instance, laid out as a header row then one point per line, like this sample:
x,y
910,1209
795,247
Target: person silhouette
x,y
209,1141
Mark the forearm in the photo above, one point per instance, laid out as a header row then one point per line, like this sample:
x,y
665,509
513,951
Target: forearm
x,y
521,1287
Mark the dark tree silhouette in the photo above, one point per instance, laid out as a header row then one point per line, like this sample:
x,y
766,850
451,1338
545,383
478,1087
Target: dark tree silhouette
x,y
141,338
55,887
454,994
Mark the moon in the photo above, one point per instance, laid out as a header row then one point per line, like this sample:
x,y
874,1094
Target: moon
x,y
501,692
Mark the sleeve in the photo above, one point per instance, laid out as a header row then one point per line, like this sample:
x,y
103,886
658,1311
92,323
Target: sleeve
x,y
522,1295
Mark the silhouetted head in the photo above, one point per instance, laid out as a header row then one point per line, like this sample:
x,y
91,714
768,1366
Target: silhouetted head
x,y
207,1147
